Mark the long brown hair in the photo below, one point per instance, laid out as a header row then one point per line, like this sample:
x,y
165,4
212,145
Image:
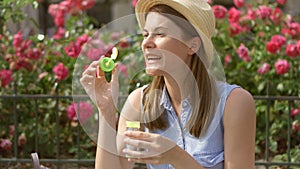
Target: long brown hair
x,y
203,105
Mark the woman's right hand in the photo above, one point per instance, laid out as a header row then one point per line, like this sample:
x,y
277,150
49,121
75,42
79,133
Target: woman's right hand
x,y
104,94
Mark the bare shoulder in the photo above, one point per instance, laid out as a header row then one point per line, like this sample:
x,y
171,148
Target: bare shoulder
x,y
240,104
132,106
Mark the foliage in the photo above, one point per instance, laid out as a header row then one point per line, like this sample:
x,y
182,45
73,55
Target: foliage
x,y
260,48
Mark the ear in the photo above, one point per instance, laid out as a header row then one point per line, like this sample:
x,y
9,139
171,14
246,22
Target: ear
x,y
194,45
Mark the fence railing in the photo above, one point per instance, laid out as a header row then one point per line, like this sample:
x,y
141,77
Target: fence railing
x,y
79,160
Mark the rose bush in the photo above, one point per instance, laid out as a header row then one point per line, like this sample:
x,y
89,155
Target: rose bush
x,y
259,45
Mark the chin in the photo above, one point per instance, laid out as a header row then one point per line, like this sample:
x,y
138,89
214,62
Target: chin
x,y
154,72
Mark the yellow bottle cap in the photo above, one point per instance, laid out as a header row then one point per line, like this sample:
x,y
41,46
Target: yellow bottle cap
x,y
133,124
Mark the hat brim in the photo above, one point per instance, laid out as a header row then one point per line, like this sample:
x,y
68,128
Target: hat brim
x,y
143,6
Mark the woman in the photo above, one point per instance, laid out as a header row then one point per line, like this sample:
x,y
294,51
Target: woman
x,y
190,118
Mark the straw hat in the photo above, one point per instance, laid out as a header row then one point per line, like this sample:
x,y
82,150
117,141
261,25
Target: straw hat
x,y
198,12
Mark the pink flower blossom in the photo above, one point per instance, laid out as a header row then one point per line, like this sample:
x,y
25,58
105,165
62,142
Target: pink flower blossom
x,y
60,33
85,4
33,53
239,3
6,77
264,11
219,11
279,39
243,53
123,69
251,14
124,43
82,39
234,15
298,46
282,66
95,53
227,59
295,112
18,38
52,9
272,47
281,2
73,50
265,68
5,144
85,111
235,28
276,15
59,20
134,2
291,50
60,71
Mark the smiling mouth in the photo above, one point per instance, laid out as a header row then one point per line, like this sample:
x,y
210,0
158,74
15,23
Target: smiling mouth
x,y
153,58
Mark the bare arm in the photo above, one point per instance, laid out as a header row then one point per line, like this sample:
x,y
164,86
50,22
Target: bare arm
x,y
239,126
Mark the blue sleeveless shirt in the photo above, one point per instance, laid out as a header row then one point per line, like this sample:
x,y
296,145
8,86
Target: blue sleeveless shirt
x,y
208,150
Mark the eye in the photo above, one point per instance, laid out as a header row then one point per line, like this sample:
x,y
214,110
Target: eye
x,y
145,34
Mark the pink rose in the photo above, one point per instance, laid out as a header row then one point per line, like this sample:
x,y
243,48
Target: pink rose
x,y
243,53
251,14
279,39
5,144
73,50
95,53
52,9
264,12
18,38
34,53
60,71
86,111
123,69
219,11
239,3
133,2
276,15
295,112
82,39
282,66
272,47
6,77
298,46
60,33
281,2
85,4
235,28
234,15
291,50
124,44
59,20
227,59
265,68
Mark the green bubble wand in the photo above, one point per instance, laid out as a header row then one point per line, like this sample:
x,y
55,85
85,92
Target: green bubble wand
x,y
107,64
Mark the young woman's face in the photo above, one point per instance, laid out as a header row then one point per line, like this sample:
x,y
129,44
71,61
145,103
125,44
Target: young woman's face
x,y
163,45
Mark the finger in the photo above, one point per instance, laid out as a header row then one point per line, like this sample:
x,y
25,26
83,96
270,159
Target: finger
x,y
100,72
115,72
86,79
90,71
138,134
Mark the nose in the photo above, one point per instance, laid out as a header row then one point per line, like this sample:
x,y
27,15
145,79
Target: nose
x,y
149,42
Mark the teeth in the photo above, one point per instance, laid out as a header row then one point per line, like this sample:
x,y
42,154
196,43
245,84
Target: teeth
x,y
153,57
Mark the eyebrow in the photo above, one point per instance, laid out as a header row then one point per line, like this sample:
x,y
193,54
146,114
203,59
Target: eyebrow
x,y
157,28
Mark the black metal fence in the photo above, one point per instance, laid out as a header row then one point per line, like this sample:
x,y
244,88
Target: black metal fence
x,y
79,161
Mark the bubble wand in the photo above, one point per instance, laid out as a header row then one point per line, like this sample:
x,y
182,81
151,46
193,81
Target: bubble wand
x,y
107,64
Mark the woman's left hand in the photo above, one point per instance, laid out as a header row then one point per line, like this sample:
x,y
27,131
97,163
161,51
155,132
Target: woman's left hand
x,y
156,149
